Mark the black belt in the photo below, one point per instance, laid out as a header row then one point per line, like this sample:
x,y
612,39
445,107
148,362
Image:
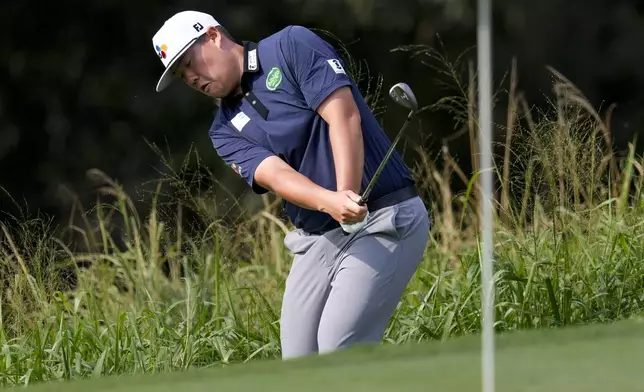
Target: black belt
x,y
392,198
388,200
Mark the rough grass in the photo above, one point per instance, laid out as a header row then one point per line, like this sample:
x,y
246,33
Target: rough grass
x,y
152,293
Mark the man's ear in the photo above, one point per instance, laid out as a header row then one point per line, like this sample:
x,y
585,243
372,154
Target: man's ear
x,y
213,34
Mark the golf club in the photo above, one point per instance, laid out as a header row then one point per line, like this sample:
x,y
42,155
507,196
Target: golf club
x,y
402,94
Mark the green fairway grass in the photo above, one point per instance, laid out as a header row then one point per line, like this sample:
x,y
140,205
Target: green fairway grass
x,y
588,358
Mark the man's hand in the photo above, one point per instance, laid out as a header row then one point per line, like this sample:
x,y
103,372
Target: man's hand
x,y
343,207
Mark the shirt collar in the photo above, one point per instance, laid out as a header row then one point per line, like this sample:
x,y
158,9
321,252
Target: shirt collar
x,y
251,66
251,58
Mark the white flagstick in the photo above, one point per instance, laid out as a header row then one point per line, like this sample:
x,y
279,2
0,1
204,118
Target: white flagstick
x,y
484,27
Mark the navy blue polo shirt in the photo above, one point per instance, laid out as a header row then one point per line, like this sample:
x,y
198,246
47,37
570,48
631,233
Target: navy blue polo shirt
x,y
287,76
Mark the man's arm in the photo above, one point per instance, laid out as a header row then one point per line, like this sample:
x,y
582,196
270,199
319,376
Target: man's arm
x,y
276,175
326,88
339,110
265,171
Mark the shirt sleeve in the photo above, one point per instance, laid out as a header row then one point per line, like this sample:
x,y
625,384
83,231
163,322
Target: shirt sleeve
x,y
317,68
240,154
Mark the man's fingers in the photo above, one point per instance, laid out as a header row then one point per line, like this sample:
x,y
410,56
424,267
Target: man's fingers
x,y
356,208
354,199
353,196
354,214
351,212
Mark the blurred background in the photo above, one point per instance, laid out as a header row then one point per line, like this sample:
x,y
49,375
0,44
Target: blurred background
x,y
78,78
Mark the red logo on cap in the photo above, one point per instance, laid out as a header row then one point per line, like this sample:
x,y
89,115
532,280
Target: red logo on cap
x,y
161,50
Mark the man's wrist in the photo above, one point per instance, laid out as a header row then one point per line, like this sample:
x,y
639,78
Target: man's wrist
x,y
322,204
297,189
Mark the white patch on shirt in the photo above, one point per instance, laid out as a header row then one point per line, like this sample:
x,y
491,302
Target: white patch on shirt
x,y
336,66
240,121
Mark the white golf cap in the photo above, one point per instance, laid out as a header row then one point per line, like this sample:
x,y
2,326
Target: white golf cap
x,y
176,36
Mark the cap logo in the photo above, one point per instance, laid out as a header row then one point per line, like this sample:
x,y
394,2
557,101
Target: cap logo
x,y
198,26
161,50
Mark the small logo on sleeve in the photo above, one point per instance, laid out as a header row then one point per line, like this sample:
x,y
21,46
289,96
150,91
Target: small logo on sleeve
x,y
274,79
336,66
236,168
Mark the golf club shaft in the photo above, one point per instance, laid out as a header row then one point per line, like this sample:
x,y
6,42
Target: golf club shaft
x,y
372,183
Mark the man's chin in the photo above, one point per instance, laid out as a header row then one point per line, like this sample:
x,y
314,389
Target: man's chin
x,y
219,94
216,96
212,92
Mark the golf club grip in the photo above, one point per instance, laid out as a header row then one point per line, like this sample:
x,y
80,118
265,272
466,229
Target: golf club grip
x,y
374,179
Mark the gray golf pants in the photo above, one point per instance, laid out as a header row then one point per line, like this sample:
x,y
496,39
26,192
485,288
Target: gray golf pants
x,y
342,290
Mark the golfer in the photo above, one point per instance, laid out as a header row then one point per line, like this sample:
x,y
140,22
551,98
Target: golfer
x,y
291,121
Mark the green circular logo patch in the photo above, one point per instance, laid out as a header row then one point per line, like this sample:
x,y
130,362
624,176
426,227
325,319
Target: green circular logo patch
x,y
273,79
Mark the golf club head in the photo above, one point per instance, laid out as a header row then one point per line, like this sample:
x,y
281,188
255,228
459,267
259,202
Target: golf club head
x,y
402,94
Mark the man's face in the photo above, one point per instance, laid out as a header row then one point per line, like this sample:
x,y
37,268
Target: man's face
x,y
210,66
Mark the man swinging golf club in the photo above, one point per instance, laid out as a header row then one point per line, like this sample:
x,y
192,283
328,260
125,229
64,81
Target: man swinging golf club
x,y
291,121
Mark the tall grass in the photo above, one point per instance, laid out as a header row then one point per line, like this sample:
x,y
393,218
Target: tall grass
x,y
145,294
